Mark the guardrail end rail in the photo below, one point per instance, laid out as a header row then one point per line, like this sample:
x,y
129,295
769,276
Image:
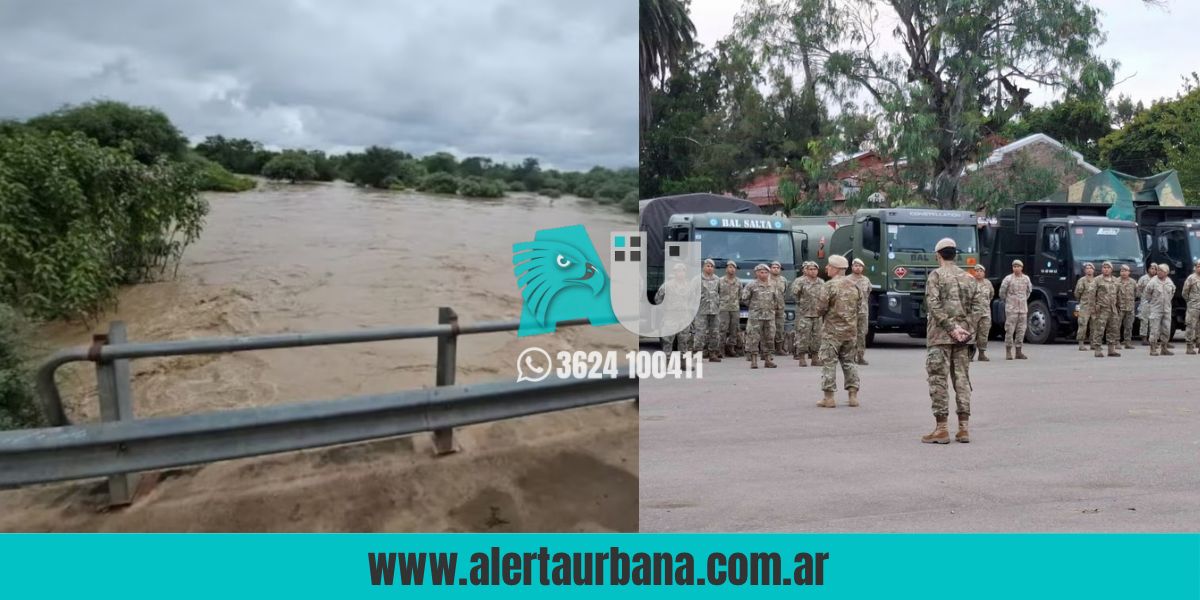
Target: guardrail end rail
x,y
116,404
447,359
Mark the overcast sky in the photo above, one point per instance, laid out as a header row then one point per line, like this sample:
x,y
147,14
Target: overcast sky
x,y
555,79
1155,46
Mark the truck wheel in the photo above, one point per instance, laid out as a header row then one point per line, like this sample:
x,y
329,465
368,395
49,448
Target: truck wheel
x,y
1041,326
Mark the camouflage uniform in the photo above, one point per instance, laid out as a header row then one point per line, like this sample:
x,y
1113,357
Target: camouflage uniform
x,y
840,304
864,286
1015,293
1157,298
983,315
705,326
1083,293
675,293
729,311
763,299
780,283
1191,294
1126,292
1144,325
1102,305
952,298
808,318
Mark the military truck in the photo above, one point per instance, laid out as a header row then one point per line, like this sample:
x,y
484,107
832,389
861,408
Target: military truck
x,y
896,244
1171,235
727,229
1054,240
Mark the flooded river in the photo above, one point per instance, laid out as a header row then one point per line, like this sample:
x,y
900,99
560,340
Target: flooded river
x,y
327,257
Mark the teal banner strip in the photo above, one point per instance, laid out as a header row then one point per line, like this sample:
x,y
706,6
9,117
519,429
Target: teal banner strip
x,y
647,565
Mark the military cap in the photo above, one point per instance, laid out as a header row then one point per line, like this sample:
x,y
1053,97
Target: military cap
x,y
838,261
1089,266
1106,264
1198,263
1018,263
1125,267
761,267
1164,267
776,263
809,263
730,262
679,267
945,243
980,268
709,261
858,261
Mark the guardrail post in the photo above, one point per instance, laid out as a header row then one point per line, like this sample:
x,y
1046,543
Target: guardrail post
x,y
116,404
447,364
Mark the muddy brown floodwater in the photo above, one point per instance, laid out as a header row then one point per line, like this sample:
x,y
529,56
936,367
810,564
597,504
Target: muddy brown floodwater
x,y
330,256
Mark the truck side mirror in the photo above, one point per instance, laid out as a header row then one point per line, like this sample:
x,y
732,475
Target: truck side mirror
x,y
804,248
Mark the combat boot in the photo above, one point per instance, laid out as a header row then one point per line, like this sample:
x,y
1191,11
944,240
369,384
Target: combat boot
x,y
1154,349
1112,350
939,435
827,400
715,357
1128,346
1191,349
753,360
962,435
983,356
770,364
1020,354
1096,352
854,397
803,360
1008,353
816,361
862,361
1083,347
1166,350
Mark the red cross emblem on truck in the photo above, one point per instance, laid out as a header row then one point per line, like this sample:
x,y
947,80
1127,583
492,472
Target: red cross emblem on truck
x,y
900,272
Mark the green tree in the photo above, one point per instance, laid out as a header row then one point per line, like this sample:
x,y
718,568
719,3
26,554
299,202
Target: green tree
x,y
1145,145
441,162
374,165
238,155
964,72
665,35
292,165
212,177
1080,123
146,133
474,166
18,409
440,182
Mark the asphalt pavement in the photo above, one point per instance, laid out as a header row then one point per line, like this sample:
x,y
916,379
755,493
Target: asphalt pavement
x,y
1063,441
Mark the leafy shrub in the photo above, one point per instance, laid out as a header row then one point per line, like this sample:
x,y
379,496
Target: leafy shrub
x,y
212,177
146,133
516,186
292,165
77,219
18,409
409,172
550,192
439,183
611,192
476,187
630,202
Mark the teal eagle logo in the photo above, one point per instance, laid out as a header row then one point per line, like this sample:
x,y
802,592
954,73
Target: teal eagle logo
x,y
561,278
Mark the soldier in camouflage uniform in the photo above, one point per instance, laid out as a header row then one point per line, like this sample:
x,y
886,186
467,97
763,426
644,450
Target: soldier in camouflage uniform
x,y
1127,292
1102,301
952,301
780,283
1191,295
1143,323
763,298
704,328
807,291
675,291
729,290
864,285
1083,293
1014,291
1157,298
983,316
840,306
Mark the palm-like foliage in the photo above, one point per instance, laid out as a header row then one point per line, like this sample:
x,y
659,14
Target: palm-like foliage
x,y
667,34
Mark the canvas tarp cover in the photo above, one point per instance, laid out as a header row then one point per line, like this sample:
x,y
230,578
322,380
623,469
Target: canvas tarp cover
x,y
654,213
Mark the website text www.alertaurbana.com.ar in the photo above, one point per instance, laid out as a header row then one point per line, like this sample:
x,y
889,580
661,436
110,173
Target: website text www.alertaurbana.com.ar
x,y
613,567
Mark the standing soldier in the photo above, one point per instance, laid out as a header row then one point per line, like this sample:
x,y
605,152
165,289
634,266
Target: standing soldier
x,y
807,290
952,301
729,289
1125,303
1102,301
705,326
1191,295
1015,290
864,286
675,292
780,283
1083,294
1143,281
763,298
1157,298
983,315
841,302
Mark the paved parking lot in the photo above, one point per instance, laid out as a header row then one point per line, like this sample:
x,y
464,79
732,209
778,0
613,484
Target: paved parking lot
x,y
1061,442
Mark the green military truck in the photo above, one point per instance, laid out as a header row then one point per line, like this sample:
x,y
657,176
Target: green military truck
x,y
1171,235
896,244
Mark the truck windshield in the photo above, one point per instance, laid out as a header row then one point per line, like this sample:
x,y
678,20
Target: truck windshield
x,y
1194,244
1097,243
924,238
747,247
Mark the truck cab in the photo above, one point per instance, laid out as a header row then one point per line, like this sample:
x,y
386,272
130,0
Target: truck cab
x,y
1176,243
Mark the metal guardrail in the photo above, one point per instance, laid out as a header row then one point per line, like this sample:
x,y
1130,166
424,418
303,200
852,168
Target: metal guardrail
x,y
122,444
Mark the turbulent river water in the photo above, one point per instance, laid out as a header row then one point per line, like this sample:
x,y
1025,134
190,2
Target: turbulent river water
x,y
290,258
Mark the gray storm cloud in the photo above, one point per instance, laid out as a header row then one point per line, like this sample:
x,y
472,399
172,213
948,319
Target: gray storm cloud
x,y
501,78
